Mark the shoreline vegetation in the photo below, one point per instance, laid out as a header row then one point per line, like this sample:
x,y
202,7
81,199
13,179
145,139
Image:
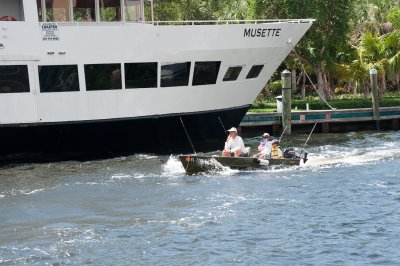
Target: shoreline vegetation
x,y
344,102
348,38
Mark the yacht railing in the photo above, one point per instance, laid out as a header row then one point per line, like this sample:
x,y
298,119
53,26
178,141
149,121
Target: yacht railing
x,y
184,22
228,22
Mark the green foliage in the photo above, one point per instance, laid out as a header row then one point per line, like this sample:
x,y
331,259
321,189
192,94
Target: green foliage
x,y
394,17
175,10
315,104
347,38
264,105
275,86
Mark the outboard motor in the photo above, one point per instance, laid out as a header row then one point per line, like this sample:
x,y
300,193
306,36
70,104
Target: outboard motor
x,y
303,156
289,153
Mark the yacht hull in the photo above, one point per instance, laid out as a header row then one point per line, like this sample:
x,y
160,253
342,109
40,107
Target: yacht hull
x,y
108,138
73,88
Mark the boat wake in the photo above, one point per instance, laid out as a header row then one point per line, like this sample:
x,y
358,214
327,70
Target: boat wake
x,y
173,167
351,154
339,151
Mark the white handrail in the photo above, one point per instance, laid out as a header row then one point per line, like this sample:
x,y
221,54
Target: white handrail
x,y
248,21
181,22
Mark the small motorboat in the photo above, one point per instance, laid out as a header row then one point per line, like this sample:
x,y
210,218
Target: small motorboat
x,y
195,163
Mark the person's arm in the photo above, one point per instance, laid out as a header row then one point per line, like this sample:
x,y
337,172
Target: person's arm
x,y
261,146
228,144
242,147
280,152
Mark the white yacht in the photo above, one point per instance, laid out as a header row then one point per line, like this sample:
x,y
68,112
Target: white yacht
x,y
85,77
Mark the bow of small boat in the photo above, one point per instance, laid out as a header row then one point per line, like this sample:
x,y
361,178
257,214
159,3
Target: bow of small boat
x,y
200,163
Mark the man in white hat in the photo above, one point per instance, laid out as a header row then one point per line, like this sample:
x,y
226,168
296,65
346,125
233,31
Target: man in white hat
x,y
234,145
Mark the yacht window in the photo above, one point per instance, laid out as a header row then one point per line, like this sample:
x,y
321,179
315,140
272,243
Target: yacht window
x,y
175,74
14,79
103,77
206,72
232,73
11,10
58,78
57,10
254,71
39,9
140,75
84,10
133,10
110,10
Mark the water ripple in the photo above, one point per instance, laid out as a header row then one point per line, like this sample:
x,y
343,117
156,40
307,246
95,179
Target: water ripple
x,y
339,208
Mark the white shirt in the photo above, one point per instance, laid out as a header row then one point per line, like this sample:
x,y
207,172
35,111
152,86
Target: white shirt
x,y
235,144
267,148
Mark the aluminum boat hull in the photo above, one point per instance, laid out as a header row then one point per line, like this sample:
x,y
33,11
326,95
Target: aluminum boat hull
x,y
194,164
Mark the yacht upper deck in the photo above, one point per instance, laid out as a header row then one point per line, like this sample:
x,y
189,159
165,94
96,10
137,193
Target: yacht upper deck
x,y
100,12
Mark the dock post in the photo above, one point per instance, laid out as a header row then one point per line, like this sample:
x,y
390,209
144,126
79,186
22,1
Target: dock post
x,y
287,101
325,127
276,129
395,124
375,96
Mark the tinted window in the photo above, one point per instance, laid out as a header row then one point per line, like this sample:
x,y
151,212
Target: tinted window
x,y
110,10
84,10
133,10
103,77
254,71
14,79
140,75
57,10
39,9
58,78
11,10
232,73
205,73
176,74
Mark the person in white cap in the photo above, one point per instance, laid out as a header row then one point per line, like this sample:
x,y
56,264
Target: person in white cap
x,y
264,149
234,145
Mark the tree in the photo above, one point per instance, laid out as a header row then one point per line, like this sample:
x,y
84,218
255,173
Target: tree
x,y
377,40
175,10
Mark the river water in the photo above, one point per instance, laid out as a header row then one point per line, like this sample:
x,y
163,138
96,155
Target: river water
x,y
341,207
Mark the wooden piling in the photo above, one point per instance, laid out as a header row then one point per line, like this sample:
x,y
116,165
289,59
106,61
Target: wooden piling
x,y
375,96
395,124
287,101
276,129
325,127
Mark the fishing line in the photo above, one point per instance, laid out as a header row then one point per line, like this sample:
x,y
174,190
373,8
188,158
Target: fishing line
x,y
222,124
309,79
283,132
309,136
187,134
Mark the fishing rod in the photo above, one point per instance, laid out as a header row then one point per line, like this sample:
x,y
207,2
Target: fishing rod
x,y
283,132
309,136
187,135
222,124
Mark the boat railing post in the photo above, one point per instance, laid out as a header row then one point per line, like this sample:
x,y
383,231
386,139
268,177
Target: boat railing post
x,y
152,11
375,96
287,100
